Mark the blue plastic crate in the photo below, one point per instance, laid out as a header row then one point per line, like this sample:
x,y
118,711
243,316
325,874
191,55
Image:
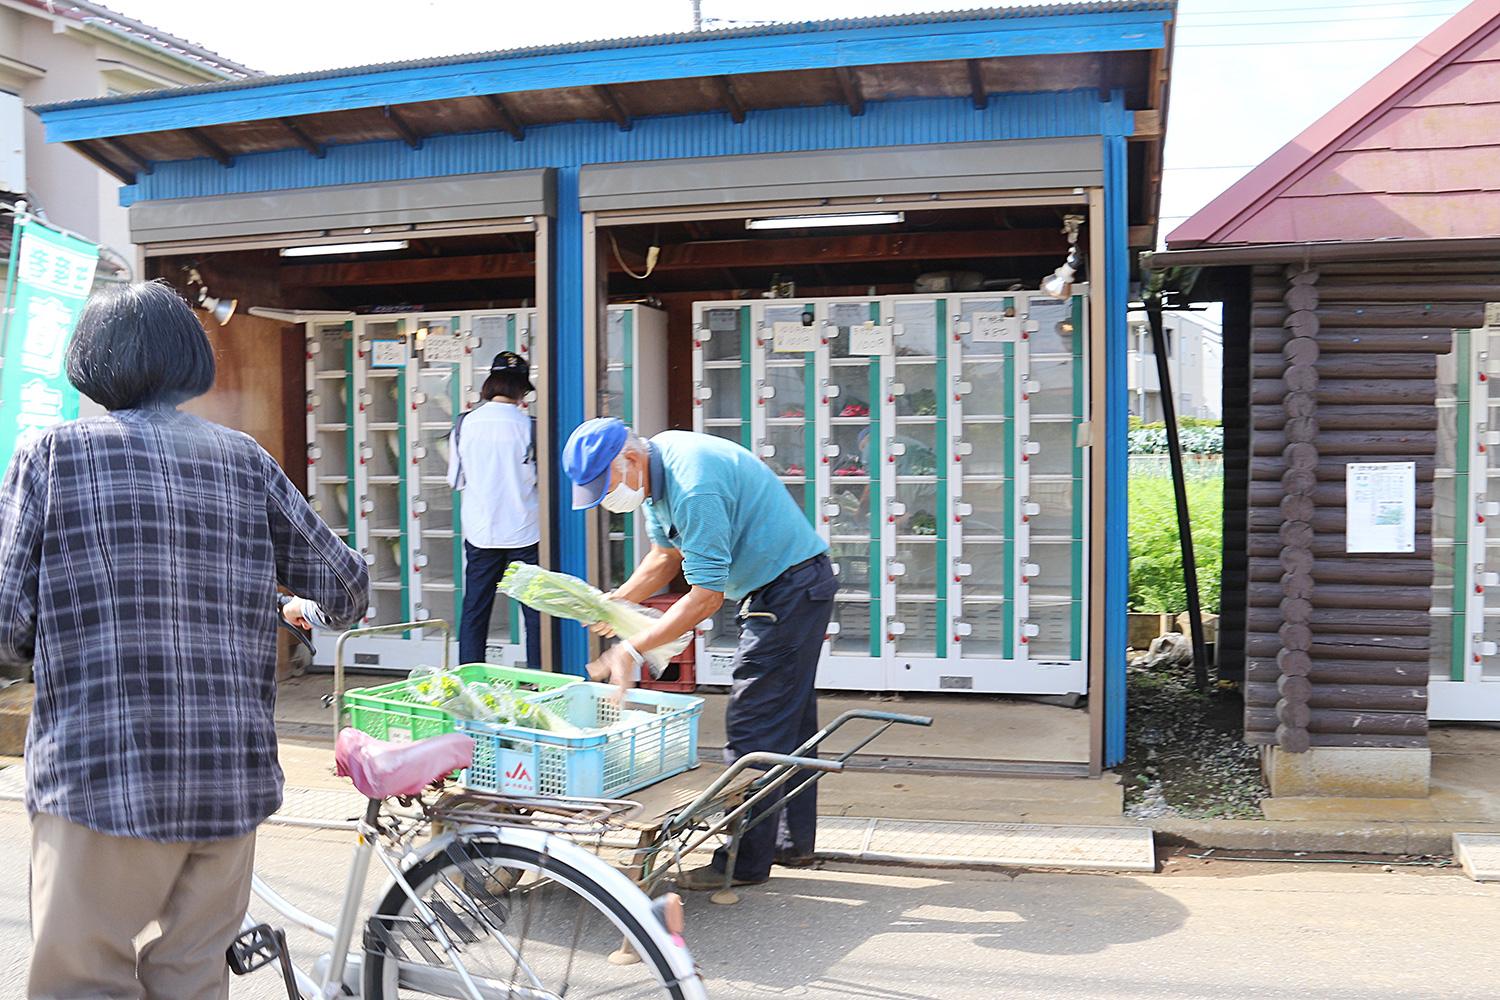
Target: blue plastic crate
x,y
659,738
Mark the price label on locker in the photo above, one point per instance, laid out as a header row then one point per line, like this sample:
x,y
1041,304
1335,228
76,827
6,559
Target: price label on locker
x,y
794,338
388,354
870,338
995,328
724,320
443,349
1492,315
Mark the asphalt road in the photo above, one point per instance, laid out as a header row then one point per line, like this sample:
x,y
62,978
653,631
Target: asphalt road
x,y
1210,931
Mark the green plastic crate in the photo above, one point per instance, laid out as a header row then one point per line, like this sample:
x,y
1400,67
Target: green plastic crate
x,y
389,712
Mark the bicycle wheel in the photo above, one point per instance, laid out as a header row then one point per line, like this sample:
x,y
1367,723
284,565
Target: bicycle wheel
x,y
525,925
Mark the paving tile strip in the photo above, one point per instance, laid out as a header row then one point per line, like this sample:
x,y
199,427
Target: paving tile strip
x,y
845,838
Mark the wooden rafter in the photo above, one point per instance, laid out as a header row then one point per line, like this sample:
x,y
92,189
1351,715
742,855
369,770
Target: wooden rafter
x,y
303,139
124,151
504,119
203,141
1147,126
714,255
731,99
853,95
613,107
976,86
403,128
98,159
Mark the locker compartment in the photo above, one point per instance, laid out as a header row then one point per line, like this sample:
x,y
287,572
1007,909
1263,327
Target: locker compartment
x,y
986,395
918,326
1054,378
852,567
784,449
986,576
1054,638
912,449
798,493
438,604
331,401
788,387
723,385
1056,441
612,394
986,623
853,635
1054,325
434,445
851,505
333,342
986,517
387,607
973,347
919,514
331,501
1055,560
918,628
385,513
389,557
849,392
986,446
383,459
438,560
843,317
918,397
1054,498
918,562
614,336
728,430
720,333
724,634
437,387
852,460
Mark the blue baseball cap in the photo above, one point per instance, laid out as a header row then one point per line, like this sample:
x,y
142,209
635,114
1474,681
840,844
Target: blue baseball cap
x,y
587,456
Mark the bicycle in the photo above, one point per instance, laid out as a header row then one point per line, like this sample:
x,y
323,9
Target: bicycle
x,y
502,902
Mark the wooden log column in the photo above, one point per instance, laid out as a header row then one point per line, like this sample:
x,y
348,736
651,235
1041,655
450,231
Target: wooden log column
x,y
1298,508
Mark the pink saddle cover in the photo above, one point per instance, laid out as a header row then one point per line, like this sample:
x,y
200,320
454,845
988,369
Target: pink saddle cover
x,y
382,770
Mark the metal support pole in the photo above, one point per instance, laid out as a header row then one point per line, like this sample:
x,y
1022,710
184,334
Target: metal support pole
x,y
1179,485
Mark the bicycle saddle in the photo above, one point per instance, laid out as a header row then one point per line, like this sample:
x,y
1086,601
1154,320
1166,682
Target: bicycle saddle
x,y
383,770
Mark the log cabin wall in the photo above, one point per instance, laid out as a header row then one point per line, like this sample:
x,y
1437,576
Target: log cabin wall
x,y
1343,368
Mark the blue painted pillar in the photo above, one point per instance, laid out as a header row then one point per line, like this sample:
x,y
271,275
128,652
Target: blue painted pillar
x,y
1117,268
569,531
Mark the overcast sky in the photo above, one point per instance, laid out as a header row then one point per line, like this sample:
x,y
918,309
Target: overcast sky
x,y
1247,75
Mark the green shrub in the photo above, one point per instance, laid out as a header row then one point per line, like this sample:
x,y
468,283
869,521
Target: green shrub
x,y
1152,440
1156,585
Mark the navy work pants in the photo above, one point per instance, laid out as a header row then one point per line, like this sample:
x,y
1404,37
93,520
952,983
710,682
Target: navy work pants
x,y
773,704
483,569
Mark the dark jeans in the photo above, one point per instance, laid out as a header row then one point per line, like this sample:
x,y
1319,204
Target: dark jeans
x,y
482,571
773,704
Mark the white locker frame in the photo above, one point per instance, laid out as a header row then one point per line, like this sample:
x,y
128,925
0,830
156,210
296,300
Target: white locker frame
x,y
891,669
1467,687
643,407
401,653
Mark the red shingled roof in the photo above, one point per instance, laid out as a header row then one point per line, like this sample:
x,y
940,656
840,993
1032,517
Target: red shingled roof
x,y
1412,154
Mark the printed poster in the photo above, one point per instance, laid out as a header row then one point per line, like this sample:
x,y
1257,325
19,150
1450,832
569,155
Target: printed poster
x,y
1381,507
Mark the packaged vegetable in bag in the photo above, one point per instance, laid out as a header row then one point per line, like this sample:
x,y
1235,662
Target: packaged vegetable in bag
x,y
564,596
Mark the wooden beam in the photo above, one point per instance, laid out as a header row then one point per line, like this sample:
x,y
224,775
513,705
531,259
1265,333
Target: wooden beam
x,y
1147,126
976,85
613,108
503,118
715,255
124,151
480,267
403,128
731,99
1143,236
98,159
303,139
202,140
853,96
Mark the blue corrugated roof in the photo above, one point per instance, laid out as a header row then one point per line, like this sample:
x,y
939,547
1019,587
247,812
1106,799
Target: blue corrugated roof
x,y
644,41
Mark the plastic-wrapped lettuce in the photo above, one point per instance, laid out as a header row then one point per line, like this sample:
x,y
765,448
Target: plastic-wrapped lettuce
x,y
564,596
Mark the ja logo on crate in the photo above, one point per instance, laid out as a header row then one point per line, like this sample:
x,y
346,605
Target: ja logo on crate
x,y
515,773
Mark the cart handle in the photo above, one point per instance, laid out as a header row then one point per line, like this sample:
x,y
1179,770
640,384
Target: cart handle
x,y
888,718
336,699
760,760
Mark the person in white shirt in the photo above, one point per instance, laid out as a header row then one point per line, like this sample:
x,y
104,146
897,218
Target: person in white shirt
x,y
492,461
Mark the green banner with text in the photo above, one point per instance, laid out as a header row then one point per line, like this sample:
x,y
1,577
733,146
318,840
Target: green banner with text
x,y
51,274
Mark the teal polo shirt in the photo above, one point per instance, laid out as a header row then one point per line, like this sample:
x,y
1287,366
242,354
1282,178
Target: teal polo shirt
x,y
734,522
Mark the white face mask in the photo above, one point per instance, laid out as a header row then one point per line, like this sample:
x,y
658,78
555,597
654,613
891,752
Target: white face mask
x,y
623,499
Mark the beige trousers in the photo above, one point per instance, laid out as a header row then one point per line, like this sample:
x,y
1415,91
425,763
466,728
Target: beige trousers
x,y
92,896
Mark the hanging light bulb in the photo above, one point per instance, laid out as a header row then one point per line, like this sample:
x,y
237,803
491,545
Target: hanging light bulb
x,y
1059,284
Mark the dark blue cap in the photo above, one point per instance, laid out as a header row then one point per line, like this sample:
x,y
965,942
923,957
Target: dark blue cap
x,y
587,456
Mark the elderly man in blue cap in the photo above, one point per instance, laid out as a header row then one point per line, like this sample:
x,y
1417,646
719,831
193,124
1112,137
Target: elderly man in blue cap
x,y
720,516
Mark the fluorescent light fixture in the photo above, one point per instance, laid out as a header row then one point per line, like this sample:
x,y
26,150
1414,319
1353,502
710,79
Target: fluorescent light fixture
x,y
818,221
325,249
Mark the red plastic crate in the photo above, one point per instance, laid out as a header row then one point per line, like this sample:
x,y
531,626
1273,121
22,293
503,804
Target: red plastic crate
x,y
681,673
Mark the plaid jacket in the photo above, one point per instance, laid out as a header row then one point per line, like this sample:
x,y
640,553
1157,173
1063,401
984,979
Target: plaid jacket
x,y
139,558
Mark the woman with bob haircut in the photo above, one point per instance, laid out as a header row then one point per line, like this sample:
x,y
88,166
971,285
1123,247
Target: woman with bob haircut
x,y
140,554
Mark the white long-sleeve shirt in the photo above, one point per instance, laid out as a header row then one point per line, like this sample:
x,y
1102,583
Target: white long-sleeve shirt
x,y
494,465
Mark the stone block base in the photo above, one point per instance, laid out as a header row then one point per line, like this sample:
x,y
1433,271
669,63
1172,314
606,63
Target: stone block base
x,y
15,716
1349,772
